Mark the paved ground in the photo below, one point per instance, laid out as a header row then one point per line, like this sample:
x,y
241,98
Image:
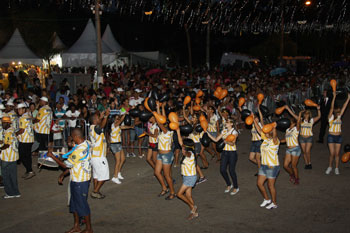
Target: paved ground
x,y
319,204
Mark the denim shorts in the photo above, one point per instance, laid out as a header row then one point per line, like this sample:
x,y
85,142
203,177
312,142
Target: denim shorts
x,y
305,139
197,148
269,172
336,139
116,147
78,201
189,181
153,146
295,151
166,158
255,147
139,131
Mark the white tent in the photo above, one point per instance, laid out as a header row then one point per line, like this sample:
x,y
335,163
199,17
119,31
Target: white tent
x,y
16,50
83,52
109,39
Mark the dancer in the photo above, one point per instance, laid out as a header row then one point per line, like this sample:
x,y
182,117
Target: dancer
x,y
189,175
228,156
334,133
117,148
306,135
165,158
78,165
196,136
213,129
270,167
99,151
153,142
293,150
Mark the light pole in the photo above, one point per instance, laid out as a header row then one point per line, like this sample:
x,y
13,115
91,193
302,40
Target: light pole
x,y
98,41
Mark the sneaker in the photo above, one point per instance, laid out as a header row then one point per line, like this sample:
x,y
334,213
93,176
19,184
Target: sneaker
x,y
116,180
120,176
201,180
128,155
141,156
296,182
17,196
328,171
292,179
265,202
234,192
271,206
336,171
29,175
228,189
8,196
133,155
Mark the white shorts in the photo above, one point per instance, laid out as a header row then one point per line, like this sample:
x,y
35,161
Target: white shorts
x,y
100,169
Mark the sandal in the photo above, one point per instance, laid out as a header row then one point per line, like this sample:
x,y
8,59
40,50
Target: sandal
x,y
170,197
163,192
194,210
192,216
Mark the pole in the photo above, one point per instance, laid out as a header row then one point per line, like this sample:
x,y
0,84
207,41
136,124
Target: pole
x,y
98,42
282,35
189,50
207,58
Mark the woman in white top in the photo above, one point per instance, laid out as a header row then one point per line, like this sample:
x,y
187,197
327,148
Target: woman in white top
x,y
306,135
293,151
152,133
117,148
213,129
228,156
334,136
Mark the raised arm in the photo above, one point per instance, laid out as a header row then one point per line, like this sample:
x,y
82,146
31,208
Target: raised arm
x,y
179,137
291,112
274,136
345,105
332,105
256,125
118,122
191,109
105,118
299,120
318,114
261,117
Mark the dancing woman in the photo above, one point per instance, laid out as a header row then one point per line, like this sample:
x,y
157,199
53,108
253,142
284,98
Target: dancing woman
x,y
228,156
153,142
334,133
306,135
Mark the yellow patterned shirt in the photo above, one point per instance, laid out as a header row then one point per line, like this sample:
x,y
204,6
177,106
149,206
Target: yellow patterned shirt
x,y
335,125
165,140
212,123
152,130
25,122
45,117
255,135
99,144
196,137
188,166
292,137
11,153
269,152
14,119
79,163
306,128
116,134
225,133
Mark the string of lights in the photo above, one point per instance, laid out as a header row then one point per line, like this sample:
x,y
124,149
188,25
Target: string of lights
x,y
225,16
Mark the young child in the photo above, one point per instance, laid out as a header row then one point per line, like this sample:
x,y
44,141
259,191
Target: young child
x,y
189,173
57,133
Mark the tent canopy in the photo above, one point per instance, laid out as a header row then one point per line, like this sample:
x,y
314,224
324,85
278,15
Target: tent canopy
x,y
16,50
110,40
83,51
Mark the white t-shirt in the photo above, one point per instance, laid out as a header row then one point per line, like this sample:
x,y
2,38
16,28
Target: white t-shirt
x,y
72,123
134,102
56,136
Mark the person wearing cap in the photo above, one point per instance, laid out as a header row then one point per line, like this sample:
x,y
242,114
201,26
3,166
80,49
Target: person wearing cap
x,y
25,136
10,106
9,156
42,123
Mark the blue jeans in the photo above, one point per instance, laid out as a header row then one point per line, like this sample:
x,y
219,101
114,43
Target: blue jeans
x,y
78,201
9,175
229,158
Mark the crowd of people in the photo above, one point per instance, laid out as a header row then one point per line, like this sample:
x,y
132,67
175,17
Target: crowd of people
x,y
132,113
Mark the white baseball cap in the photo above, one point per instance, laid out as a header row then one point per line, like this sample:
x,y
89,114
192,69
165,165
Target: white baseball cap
x,y
2,107
120,89
138,90
21,105
10,103
44,99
